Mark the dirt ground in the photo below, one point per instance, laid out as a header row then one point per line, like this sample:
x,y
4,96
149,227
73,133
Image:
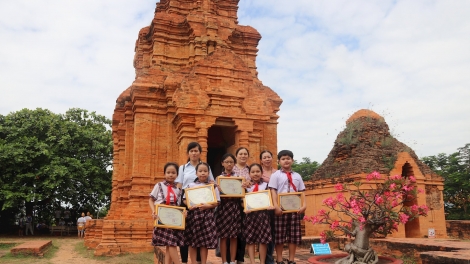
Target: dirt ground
x,y
66,250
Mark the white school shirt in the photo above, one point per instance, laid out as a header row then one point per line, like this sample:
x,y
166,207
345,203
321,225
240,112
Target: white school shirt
x,y
81,221
280,182
160,196
261,186
187,175
195,184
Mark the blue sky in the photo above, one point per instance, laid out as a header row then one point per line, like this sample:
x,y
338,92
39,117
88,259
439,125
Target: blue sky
x,y
406,60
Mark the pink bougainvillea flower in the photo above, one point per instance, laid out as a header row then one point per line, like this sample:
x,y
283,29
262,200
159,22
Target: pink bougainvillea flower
x,y
403,218
412,179
392,186
379,200
323,237
407,188
334,225
338,187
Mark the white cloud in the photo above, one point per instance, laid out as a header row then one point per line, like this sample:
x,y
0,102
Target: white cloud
x,y
326,59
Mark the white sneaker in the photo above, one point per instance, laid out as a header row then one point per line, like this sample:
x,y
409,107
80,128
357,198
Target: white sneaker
x,y
225,262
233,262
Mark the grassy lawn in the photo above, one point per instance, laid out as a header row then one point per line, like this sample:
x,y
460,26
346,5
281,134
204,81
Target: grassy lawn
x,y
57,253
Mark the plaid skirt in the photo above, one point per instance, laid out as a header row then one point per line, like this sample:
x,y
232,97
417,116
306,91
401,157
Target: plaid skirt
x,y
287,229
200,229
167,237
228,218
257,228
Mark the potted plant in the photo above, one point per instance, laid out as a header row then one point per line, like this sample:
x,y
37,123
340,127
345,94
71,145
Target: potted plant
x,y
376,209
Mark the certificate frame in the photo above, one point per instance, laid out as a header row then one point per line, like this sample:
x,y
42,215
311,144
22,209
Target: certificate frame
x,y
174,212
223,179
255,195
200,194
282,198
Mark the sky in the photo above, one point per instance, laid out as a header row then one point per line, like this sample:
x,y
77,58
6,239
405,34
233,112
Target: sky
x,y
408,61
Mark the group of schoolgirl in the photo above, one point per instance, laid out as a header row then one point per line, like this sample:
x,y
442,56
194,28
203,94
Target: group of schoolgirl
x,y
205,225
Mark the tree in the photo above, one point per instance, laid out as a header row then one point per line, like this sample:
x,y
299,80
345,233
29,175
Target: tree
x,y
306,168
364,211
58,159
455,168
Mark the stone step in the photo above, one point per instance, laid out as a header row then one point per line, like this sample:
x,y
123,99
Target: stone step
x,y
35,248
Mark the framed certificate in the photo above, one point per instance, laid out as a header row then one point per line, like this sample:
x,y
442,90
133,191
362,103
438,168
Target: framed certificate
x,y
200,194
256,201
290,202
231,186
170,216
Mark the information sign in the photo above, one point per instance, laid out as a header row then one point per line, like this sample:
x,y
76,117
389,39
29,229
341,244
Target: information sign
x,y
320,249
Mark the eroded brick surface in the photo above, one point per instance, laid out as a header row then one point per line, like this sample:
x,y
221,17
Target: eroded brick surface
x,y
458,229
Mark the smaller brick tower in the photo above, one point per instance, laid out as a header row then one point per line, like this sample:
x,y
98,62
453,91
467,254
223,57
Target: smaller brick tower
x,y
366,145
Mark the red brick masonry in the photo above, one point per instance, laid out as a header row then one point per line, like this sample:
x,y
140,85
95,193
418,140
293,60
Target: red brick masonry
x,y
36,248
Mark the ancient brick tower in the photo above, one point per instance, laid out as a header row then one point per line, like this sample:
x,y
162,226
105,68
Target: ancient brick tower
x,y
196,80
366,145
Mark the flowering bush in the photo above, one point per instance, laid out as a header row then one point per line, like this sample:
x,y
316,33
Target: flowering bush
x,y
377,210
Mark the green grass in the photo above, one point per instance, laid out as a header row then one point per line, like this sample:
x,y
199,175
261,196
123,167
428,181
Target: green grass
x,y
27,258
408,259
7,246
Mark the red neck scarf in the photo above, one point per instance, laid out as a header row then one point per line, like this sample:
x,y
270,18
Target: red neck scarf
x,y
289,177
256,187
169,193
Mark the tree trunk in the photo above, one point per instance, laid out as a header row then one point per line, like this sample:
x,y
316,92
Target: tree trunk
x,y
359,250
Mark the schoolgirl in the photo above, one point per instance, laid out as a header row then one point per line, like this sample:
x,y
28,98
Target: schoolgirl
x,y
201,231
168,193
229,215
186,176
257,224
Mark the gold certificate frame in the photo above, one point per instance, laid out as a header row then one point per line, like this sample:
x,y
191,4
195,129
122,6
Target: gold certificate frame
x,y
231,186
290,202
170,217
200,194
256,201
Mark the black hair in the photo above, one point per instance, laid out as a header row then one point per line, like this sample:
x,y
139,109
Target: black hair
x,y
169,164
255,164
192,145
224,157
240,148
264,151
203,163
283,153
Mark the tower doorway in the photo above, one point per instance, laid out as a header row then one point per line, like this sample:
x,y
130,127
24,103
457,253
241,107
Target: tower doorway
x,y
221,137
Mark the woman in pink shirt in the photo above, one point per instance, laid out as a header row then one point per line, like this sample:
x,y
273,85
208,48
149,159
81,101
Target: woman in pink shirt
x,y
241,169
266,160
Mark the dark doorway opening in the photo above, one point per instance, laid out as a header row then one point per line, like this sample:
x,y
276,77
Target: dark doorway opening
x,y
220,137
